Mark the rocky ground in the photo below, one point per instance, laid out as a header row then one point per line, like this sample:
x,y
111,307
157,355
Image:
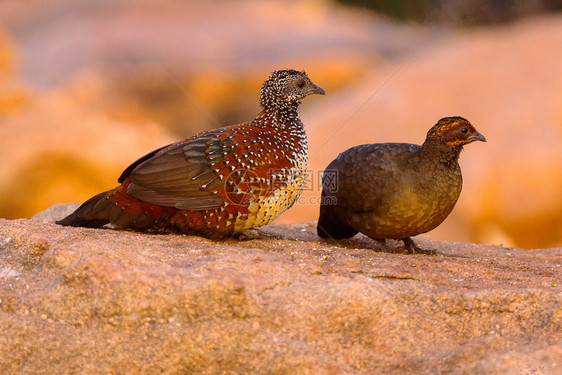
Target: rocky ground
x,y
106,301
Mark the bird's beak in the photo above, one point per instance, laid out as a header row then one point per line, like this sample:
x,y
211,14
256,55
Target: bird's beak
x,y
477,137
313,89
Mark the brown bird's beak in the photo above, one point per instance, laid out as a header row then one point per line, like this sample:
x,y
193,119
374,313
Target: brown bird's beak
x,y
313,89
477,137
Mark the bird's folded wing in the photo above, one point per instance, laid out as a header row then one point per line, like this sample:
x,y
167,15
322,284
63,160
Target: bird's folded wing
x,y
127,172
180,176
362,179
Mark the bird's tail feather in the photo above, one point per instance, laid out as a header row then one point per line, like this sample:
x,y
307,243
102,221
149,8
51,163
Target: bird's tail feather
x,y
101,209
330,225
94,213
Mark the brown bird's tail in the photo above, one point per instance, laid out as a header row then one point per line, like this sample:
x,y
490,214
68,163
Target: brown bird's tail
x,y
118,208
329,223
94,213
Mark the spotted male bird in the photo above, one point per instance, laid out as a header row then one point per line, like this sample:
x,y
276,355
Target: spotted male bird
x,y
218,183
395,190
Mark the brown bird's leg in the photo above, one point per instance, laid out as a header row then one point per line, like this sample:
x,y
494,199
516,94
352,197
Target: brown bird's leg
x,y
386,247
382,242
255,234
412,248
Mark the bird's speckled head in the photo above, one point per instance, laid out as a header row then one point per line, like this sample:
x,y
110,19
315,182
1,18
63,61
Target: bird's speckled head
x,y
285,89
454,132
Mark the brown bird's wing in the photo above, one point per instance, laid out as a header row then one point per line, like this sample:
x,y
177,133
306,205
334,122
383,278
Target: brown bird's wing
x,y
181,175
127,172
368,175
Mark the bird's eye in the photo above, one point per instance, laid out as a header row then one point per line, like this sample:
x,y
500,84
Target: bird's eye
x,y
300,84
464,130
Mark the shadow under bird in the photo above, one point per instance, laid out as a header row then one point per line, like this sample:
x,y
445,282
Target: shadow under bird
x,y
218,183
395,190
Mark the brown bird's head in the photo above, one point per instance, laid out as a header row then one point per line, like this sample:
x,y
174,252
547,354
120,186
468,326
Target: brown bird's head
x,y
454,132
285,90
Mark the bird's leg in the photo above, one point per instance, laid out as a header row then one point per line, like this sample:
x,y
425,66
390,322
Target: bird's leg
x,y
385,246
255,234
382,242
412,248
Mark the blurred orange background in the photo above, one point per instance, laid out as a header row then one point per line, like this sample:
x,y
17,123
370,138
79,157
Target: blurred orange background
x,y
86,87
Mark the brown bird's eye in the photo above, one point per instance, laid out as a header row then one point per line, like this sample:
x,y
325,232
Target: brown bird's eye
x,y
464,130
300,84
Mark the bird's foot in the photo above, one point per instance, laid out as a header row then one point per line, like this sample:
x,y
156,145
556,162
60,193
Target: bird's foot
x,y
255,234
387,248
412,248
381,241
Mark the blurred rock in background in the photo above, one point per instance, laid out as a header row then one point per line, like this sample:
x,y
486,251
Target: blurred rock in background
x,y
458,12
86,87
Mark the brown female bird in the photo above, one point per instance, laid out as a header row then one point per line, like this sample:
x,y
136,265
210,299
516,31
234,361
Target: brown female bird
x,y
395,190
218,183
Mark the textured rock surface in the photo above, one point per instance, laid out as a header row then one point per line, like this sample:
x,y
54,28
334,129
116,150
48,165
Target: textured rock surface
x,y
106,301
